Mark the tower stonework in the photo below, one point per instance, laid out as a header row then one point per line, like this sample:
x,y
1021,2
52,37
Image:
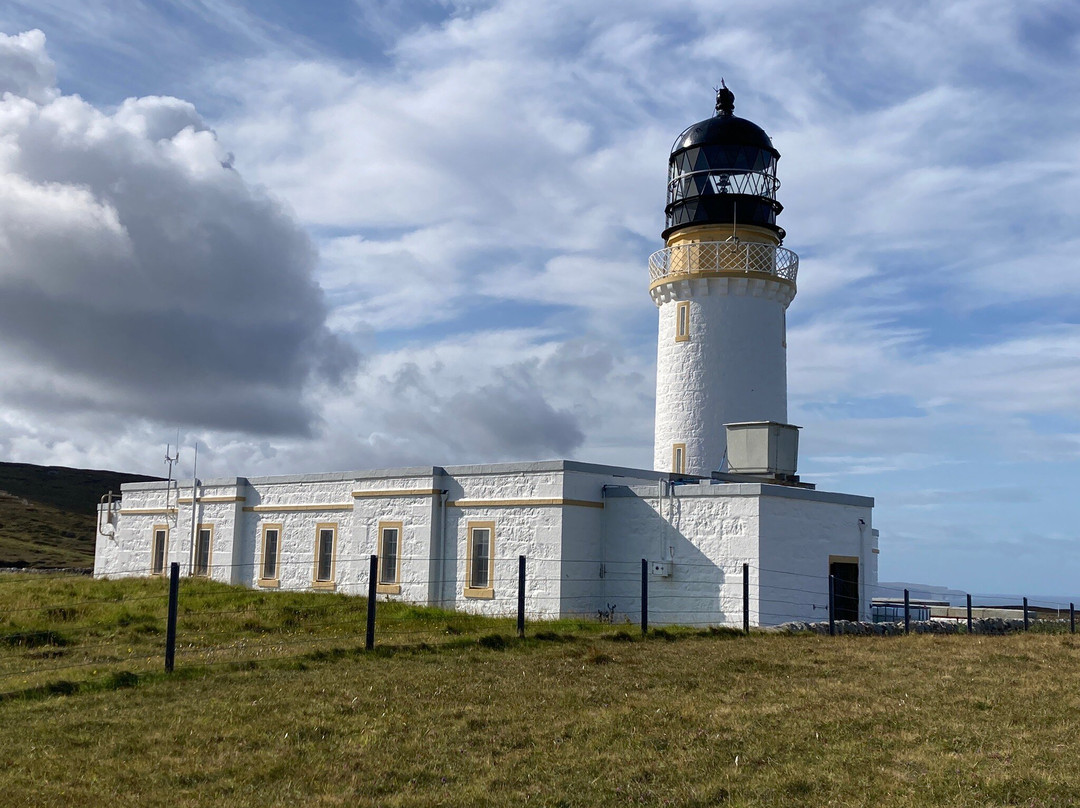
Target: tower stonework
x,y
722,285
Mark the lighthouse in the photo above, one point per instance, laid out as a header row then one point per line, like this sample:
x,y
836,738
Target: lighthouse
x,y
722,285
718,527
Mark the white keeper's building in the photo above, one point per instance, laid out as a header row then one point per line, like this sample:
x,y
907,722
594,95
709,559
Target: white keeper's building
x,y
723,491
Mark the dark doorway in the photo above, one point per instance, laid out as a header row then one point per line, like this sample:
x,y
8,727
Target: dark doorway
x,y
845,589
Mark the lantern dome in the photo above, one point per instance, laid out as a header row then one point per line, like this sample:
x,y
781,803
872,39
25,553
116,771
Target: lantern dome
x,y
723,171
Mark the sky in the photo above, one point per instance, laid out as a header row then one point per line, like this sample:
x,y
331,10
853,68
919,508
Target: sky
x,y
346,235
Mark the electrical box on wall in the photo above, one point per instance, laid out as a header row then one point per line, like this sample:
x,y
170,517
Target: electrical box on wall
x,y
661,569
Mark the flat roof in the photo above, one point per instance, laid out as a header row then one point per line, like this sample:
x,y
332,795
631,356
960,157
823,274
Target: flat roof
x,y
471,470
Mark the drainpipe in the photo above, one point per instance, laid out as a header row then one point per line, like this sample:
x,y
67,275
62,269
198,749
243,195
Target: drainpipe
x,y
194,512
444,495
660,511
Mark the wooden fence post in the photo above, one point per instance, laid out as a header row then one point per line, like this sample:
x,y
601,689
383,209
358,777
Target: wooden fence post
x,y
907,612
644,597
373,574
521,597
170,625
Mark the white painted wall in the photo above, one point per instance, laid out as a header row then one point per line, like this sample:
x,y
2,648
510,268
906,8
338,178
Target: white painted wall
x,y
800,531
701,533
732,368
581,558
590,553
491,494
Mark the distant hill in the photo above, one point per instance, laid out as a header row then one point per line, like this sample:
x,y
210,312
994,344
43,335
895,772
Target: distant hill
x,y
47,513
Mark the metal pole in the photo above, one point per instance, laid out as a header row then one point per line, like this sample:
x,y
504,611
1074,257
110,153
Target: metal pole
x,y
746,598
644,597
521,596
832,605
969,612
194,512
907,612
1072,618
373,574
1026,622
170,625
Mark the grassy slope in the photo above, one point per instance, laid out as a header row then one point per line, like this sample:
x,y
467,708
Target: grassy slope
x,y
585,717
47,513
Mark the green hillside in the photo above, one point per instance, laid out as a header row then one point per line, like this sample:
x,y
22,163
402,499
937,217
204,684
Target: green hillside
x,y
47,513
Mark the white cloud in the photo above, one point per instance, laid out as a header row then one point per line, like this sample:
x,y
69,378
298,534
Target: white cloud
x,y
142,275
25,69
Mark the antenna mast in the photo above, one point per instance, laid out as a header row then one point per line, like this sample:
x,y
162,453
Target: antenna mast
x,y
172,459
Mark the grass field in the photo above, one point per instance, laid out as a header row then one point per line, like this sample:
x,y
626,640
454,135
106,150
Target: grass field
x,y
274,702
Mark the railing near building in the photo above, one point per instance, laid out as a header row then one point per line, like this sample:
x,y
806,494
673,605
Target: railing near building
x,y
723,256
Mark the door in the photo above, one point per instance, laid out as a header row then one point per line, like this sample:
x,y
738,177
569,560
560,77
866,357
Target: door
x,y
845,576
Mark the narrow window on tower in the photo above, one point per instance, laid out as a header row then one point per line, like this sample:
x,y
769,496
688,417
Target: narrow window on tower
x,y
682,322
389,558
480,560
204,545
678,458
325,539
159,550
271,555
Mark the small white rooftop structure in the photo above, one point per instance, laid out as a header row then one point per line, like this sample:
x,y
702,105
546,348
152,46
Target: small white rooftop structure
x,y
763,447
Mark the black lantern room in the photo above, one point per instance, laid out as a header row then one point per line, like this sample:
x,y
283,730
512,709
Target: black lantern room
x,y
723,171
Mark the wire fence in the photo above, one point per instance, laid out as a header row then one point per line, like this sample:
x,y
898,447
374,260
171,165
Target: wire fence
x,y
70,629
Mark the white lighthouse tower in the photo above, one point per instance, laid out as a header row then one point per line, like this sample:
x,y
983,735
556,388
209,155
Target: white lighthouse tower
x,y
722,285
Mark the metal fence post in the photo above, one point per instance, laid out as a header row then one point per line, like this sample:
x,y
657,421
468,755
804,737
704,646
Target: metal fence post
x,y
907,612
373,574
644,597
832,605
1026,622
746,598
170,625
521,596
969,613
1072,618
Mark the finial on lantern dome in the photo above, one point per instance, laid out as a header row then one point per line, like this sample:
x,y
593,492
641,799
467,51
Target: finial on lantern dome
x,y
725,100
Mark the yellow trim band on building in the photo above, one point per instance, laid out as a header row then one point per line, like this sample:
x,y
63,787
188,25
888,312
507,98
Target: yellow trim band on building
x,y
146,511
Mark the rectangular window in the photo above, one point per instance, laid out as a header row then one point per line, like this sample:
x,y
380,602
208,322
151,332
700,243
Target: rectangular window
x,y
389,558
682,322
325,538
159,551
204,544
678,458
480,560
271,554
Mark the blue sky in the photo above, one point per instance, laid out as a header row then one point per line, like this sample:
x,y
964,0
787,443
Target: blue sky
x,y
345,235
